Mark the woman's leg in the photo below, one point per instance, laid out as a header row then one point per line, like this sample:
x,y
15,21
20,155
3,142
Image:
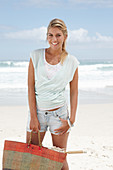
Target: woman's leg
x,y
34,139
61,142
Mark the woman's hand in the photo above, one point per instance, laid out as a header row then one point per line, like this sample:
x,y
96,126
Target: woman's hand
x,y
64,128
34,124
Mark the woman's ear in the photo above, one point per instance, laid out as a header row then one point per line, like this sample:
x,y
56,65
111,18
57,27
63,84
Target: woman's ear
x,y
65,38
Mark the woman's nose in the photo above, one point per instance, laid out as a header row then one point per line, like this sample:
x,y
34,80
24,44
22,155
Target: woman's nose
x,y
54,38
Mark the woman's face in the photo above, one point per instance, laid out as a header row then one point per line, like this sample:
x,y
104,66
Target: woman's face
x,y
55,38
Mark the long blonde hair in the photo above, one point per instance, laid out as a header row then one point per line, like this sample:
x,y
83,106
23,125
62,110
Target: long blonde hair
x,y
61,25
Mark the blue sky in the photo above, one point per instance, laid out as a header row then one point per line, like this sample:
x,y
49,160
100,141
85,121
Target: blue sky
x,y
23,26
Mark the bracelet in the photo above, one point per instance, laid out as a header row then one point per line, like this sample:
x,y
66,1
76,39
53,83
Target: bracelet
x,y
69,123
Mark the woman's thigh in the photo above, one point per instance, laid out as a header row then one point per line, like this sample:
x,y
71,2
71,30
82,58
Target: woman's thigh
x,y
34,138
60,140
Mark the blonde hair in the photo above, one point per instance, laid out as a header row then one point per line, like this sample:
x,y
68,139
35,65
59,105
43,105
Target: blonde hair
x,y
61,25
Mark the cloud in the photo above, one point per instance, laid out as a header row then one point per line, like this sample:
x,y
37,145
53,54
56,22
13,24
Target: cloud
x,y
81,36
34,34
41,3
59,3
95,3
67,3
78,37
81,39
101,38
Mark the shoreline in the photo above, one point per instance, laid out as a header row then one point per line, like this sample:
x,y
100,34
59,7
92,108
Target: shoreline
x,y
19,97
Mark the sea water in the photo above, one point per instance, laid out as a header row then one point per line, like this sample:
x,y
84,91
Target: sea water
x,y
93,77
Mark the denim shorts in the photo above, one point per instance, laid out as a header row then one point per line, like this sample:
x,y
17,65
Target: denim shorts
x,y
50,119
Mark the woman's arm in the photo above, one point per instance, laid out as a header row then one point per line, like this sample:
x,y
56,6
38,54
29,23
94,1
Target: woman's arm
x,y
73,105
73,97
34,123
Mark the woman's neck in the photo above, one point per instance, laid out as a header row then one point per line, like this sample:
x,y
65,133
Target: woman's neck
x,y
54,52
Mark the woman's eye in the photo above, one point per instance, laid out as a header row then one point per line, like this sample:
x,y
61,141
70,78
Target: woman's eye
x,y
50,35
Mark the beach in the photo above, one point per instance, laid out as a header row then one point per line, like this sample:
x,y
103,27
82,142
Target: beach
x,y
50,33
93,128
92,133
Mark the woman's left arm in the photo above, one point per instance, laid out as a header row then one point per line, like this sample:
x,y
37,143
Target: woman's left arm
x,y
73,105
73,96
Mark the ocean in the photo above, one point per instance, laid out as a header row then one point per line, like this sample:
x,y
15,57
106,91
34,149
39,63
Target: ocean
x,y
95,82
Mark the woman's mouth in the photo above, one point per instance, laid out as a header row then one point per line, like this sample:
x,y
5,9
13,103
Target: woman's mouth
x,y
54,44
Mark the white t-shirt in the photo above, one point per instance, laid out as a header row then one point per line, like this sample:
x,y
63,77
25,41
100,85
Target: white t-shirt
x,y
50,89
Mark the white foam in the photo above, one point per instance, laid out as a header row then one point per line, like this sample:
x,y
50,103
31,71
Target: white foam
x,y
14,75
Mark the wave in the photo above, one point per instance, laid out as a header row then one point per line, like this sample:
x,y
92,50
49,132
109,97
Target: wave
x,y
93,62
109,86
14,86
106,68
97,67
14,74
13,64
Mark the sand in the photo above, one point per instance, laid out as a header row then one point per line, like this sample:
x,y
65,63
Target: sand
x,y
93,132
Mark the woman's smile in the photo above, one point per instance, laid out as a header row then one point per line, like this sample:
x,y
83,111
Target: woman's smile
x,y
55,44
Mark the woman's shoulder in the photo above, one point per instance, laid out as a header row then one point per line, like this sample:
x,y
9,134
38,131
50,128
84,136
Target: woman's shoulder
x,y
73,59
36,52
36,55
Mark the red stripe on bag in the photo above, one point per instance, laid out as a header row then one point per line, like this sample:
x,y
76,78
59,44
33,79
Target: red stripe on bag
x,y
35,150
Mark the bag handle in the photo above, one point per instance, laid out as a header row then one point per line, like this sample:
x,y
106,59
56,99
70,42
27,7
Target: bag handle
x,y
40,145
30,139
75,152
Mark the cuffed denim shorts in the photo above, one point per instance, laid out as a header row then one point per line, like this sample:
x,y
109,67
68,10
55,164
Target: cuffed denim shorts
x,y
50,119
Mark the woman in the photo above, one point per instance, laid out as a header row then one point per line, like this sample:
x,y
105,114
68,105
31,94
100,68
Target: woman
x,y
50,70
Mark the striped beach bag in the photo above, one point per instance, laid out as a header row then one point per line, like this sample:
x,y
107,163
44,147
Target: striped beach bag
x,y
26,156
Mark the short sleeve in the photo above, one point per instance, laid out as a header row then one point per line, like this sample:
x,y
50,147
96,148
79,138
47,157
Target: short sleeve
x,y
32,56
74,65
35,55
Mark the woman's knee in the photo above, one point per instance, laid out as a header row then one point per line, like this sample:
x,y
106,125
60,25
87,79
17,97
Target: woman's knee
x,y
60,140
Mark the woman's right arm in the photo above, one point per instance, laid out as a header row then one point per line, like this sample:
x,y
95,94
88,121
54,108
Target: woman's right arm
x,y
34,123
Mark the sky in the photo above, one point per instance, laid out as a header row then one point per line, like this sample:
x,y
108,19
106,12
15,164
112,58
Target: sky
x,y
23,25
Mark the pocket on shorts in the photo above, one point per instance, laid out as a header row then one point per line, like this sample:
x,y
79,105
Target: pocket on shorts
x,y
63,114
